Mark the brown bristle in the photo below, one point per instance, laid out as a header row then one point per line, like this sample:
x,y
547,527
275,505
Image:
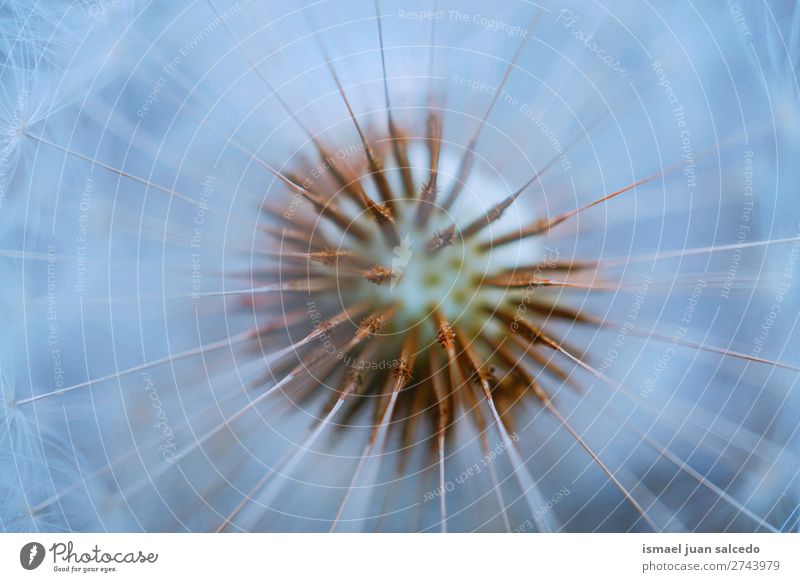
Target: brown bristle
x,y
329,257
442,238
445,335
379,275
372,324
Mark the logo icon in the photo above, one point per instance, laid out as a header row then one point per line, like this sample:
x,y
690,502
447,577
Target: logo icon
x,y
402,256
31,555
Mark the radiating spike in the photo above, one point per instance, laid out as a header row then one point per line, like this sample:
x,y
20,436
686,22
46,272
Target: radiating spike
x,y
483,436
373,160
217,345
398,142
693,473
133,177
544,225
131,454
649,334
494,213
530,487
369,326
291,459
328,210
619,389
510,281
427,198
610,474
346,180
468,159
443,406
306,285
401,378
546,401
490,216
624,261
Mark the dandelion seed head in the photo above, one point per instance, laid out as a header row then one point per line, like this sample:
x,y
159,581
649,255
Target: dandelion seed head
x,y
306,273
